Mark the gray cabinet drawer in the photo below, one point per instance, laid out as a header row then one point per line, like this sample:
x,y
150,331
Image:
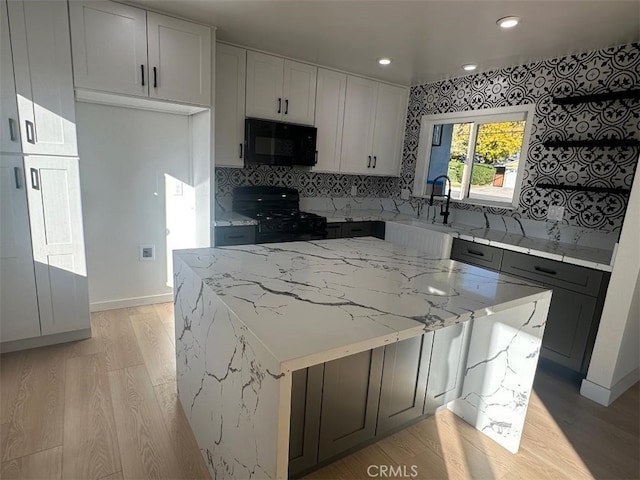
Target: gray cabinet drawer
x,y
550,272
357,229
476,254
240,235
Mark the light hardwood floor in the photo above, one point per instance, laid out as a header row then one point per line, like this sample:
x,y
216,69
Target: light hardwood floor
x,y
106,408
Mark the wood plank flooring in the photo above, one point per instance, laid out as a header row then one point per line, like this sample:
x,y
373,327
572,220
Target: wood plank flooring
x,y
106,408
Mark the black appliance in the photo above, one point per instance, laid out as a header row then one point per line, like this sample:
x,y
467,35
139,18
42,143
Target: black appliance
x,y
277,143
277,211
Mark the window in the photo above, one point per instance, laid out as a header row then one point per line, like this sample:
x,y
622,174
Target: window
x,y
482,152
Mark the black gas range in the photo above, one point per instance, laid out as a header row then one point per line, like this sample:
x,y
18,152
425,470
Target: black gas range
x,y
277,211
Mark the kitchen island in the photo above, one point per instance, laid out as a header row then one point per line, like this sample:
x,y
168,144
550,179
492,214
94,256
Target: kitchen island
x,y
249,318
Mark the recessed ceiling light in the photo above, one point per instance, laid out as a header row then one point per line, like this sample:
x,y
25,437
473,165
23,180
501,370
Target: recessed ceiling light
x,y
508,22
469,67
384,61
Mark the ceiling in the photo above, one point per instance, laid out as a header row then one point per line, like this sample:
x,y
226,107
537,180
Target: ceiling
x,y
428,40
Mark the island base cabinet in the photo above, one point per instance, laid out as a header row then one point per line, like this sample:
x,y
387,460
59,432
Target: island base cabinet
x,y
350,402
306,399
448,361
404,381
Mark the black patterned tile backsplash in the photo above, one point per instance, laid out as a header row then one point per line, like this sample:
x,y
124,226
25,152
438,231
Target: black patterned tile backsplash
x,y
611,69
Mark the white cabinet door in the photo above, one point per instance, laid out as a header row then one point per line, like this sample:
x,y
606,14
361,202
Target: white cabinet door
x,y
391,111
44,80
299,92
359,118
109,47
179,60
265,74
231,63
9,124
58,244
329,119
19,316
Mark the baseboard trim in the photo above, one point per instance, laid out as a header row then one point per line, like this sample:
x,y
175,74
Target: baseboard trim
x,y
130,302
45,340
606,396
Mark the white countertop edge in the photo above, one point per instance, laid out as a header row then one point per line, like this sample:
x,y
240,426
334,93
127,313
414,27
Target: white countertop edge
x,y
380,341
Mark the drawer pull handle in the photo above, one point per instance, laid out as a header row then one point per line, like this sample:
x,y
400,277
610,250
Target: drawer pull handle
x,y
545,270
234,237
356,229
475,252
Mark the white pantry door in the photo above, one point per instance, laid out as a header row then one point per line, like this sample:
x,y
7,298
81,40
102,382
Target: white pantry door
x,y
19,316
58,243
9,129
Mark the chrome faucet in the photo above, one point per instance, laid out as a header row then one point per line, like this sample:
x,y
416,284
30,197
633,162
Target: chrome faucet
x,y
444,212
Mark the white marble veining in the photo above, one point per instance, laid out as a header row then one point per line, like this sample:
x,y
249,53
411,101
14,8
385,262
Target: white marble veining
x,y
311,302
247,316
232,219
500,369
228,383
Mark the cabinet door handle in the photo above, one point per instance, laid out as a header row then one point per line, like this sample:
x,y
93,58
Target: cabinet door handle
x,y
316,159
369,162
475,252
12,130
279,105
31,133
286,106
35,180
545,270
375,160
155,77
142,70
240,150
17,175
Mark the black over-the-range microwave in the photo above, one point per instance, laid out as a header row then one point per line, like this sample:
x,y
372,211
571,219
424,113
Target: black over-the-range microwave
x,y
268,142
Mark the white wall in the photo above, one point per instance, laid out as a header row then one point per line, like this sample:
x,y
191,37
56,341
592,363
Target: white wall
x,y
124,155
615,364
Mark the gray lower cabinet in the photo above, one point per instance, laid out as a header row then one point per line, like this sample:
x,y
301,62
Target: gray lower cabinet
x,y
404,381
576,303
334,230
306,400
349,402
235,235
448,361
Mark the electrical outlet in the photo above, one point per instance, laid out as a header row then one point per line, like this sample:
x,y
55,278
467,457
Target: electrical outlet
x,y
404,194
555,213
147,253
354,191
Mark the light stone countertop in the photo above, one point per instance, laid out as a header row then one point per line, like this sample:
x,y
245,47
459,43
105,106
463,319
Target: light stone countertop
x,y
311,302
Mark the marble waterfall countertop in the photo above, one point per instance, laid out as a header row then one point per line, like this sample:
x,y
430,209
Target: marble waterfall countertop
x,y
312,302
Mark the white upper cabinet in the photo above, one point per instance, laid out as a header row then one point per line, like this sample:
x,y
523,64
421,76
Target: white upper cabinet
x,y
230,98
19,317
43,76
329,119
299,92
109,47
388,135
9,123
373,127
359,122
265,76
179,60
279,89
55,215
125,50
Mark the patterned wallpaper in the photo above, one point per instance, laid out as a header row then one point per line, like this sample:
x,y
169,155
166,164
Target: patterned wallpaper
x,y
611,69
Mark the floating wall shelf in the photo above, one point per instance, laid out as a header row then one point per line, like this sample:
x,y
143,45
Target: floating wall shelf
x,y
615,142
584,188
598,97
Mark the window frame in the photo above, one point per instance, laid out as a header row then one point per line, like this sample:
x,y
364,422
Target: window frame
x,y
487,115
